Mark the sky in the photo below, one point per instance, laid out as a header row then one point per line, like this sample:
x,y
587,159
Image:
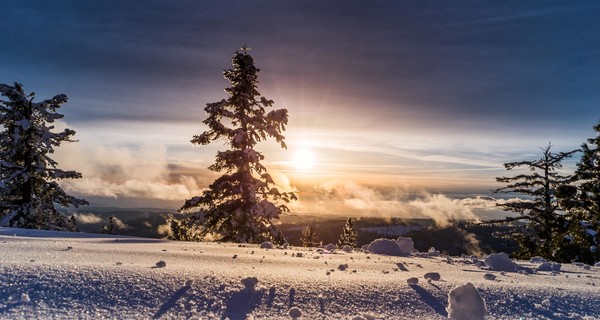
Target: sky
x,y
390,102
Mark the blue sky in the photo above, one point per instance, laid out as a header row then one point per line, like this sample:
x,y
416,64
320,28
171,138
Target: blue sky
x,y
425,96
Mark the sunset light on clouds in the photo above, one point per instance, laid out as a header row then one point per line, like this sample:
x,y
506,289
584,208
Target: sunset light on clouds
x,y
395,108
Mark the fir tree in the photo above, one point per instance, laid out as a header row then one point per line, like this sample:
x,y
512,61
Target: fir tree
x,y
309,236
349,236
582,201
588,176
111,227
540,211
237,206
28,177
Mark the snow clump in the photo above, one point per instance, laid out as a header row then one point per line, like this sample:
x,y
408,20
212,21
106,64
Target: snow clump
x,y
489,276
25,298
266,245
500,262
434,276
295,313
330,247
347,249
465,303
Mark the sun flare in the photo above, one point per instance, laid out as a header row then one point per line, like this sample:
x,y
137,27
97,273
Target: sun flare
x,y
304,160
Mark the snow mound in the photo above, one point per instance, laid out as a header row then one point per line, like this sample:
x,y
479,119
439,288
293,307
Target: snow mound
x,y
330,247
465,303
537,259
295,313
266,245
549,266
347,249
406,245
500,262
389,247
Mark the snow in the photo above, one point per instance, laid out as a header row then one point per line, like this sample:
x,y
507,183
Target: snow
x,y
465,303
115,277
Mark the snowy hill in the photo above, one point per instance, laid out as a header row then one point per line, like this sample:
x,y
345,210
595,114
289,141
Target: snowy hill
x,y
88,276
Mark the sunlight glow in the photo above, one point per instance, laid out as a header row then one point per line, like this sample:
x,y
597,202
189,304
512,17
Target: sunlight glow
x,y
304,159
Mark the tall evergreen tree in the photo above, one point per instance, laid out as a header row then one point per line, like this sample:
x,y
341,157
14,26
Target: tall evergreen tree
x,y
582,201
28,177
309,235
588,176
349,236
237,206
544,219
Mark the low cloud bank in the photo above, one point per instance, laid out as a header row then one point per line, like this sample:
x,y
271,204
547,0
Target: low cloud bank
x,y
350,199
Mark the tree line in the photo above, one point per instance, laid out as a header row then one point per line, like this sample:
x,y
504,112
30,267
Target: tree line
x,y
557,219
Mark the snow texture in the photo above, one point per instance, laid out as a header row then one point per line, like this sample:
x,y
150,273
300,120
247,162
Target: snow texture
x,y
68,275
465,303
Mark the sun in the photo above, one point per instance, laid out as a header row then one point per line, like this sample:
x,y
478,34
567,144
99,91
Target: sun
x,y
304,159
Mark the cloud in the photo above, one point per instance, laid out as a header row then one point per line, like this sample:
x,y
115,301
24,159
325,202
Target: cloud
x,y
347,198
125,172
88,218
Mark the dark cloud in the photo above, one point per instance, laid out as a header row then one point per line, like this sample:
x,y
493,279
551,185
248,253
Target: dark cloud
x,y
422,63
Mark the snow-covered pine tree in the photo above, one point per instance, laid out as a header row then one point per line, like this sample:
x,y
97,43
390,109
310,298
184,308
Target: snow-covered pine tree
x,y
540,210
582,201
588,176
237,206
309,235
28,176
349,236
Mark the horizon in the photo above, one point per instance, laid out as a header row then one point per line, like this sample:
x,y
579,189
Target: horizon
x,y
395,109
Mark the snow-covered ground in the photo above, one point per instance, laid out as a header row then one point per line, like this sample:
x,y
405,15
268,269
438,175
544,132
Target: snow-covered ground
x,y
83,276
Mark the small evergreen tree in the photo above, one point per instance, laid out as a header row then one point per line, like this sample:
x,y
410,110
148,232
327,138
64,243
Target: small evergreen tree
x,y
237,206
309,236
349,236
544,219
28,176
111,227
